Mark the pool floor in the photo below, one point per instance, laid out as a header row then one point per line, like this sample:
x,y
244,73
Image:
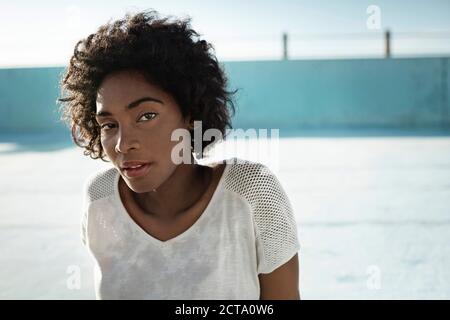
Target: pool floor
x,y
373,215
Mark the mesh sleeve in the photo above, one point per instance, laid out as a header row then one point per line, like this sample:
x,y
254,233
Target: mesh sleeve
x,y
98,185
276,228
84,228
85,211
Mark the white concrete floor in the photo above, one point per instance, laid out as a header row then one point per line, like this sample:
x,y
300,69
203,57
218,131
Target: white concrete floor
x,y
373,216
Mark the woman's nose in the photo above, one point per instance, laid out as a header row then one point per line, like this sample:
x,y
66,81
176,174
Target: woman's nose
x,y
126,142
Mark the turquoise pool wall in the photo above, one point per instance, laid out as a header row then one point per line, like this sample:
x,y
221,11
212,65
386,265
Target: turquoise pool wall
x,y
28,100
292,94
343,93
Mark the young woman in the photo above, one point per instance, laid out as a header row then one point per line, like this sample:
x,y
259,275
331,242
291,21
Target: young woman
x,y
159,229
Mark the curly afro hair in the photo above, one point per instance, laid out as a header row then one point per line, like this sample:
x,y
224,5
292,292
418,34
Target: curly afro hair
x,y
168,53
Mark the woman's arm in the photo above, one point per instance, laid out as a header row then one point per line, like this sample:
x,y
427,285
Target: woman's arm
x,y
282,283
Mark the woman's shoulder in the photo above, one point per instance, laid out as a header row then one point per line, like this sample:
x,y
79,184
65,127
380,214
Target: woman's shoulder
x,y
100,184
256,183
272,212
248,175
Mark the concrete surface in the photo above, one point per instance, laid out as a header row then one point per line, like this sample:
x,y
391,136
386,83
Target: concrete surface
x,y
373,216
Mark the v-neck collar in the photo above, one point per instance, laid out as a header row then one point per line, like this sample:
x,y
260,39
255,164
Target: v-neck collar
x,y
148,237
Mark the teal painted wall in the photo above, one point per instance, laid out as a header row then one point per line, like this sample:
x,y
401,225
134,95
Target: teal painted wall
x,y
343,93
28,100
294,94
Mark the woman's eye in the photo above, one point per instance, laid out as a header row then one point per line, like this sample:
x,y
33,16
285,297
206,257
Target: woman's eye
x,y
144,117
105,126
148,116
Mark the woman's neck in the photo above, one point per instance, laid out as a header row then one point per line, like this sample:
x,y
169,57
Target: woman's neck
x,y
184,188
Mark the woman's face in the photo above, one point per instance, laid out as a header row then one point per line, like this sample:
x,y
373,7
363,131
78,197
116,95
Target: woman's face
x,y
137,120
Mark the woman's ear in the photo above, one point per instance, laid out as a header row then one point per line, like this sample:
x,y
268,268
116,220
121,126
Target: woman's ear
x,y
189,123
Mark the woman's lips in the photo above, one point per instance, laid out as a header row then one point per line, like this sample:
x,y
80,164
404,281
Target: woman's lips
x,y
136,172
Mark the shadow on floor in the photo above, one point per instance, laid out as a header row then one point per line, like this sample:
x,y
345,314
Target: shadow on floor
x,y
364,132
34,142
53,141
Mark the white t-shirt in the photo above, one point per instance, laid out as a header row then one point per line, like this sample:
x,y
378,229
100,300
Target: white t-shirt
x,y
247,228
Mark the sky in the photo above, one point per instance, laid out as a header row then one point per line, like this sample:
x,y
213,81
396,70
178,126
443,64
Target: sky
x,y
44,33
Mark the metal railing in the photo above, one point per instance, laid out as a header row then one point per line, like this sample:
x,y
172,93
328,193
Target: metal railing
x,y
386,35
380,43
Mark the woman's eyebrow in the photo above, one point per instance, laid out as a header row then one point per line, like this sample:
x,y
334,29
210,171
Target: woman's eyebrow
x,y
130,106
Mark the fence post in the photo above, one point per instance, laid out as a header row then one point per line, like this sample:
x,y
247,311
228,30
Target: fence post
x,y
285,44
387,43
